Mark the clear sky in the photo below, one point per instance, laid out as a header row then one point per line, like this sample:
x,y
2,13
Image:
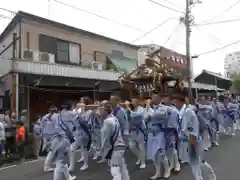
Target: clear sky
x,y
142,16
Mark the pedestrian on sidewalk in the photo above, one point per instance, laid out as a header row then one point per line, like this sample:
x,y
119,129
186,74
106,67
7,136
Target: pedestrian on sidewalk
x,y
8,134
2,138
20,139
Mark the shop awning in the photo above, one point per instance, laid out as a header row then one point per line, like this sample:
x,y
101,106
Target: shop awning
x,y
123,64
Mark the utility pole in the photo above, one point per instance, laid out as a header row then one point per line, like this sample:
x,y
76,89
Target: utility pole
x,y
15,81
188,20
188,55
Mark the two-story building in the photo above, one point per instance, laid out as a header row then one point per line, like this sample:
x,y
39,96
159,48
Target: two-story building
x,y
45,62
169,57
176,62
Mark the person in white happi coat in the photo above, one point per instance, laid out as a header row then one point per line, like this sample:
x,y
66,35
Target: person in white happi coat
x,y
138,133
156,143
205,116
190,131
172,134
183,146
82,140
46,134
61,136
113,145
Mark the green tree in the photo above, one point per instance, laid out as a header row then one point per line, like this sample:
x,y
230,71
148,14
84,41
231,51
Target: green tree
x,y
236,81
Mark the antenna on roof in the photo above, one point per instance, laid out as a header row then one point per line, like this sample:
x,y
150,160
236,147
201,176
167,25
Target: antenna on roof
x,y
49,9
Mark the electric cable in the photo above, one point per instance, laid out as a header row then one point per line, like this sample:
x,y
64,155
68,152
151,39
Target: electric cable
x,y
218,22
220,48
150,31
167,7
225,11
170,36
98,15
88,12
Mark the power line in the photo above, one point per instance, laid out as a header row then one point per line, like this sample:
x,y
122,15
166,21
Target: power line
x,y
171,3
166,7
8,10
214,38
150,31
86,11
5,17
225,11
170,36
220,48
98,15
218,22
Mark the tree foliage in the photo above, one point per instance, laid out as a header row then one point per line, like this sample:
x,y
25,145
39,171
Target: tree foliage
x,y
236,81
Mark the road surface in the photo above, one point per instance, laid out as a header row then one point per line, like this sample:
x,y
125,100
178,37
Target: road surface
x,y
225,160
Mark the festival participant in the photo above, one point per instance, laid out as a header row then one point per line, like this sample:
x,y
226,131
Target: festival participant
x,y
119,112
83,138
78,135
230,116
46,125
205,115
171,134
60,144
138,133
221,114
183,146
215,123
113,145
96,124
156,143
190,131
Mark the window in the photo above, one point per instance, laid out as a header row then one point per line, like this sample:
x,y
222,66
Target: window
x,y
28,40
62,51
117,53
75,53
47,44
1,102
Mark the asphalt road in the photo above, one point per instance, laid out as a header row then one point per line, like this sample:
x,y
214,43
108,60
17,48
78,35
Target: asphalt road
x,y
225,160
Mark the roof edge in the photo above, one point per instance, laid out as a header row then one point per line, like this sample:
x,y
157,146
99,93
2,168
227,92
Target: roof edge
x,y
24,15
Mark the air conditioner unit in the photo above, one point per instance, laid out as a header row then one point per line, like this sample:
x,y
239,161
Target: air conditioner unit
x,y
35,56
43,57
51,58
28,54
97,66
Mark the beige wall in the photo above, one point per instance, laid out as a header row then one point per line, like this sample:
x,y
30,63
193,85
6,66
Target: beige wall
x,y
5,58
88,44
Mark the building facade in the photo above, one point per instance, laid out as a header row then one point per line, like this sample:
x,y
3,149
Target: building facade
x,y
232,63
169,57
40,58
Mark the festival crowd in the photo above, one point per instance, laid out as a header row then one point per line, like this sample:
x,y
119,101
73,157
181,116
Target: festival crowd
x,y
167,130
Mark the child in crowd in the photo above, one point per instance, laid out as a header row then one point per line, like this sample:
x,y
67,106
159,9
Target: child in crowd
x,y
2,141
20,138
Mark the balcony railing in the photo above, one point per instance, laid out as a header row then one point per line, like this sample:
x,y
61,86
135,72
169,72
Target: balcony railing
x,y
52,69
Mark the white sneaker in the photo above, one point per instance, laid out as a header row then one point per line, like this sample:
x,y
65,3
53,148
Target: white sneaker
x,y
142,166
80,160
167,173
84,167
72,178
48,169
177,167
138,162
95,157
101,161
70,169
156,176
